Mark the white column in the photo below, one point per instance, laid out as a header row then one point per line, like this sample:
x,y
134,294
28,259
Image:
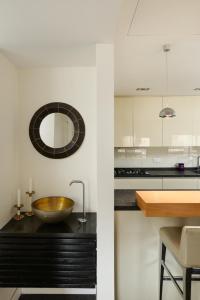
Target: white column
x,y
105,165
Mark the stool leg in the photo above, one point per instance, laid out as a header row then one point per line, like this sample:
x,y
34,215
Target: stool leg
x,y
162,257
187,280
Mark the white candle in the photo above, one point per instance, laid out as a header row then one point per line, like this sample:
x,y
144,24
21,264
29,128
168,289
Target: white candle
x,y
30,185
18,197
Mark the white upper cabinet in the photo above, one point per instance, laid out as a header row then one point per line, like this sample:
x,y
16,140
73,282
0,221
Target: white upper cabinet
x,y
123,122
196,100
146,122
179,131
137,122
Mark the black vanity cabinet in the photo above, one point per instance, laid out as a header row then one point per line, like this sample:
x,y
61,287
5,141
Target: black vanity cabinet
x,y
33,254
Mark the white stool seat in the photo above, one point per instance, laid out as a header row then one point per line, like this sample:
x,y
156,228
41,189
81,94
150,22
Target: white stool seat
x,y
184,244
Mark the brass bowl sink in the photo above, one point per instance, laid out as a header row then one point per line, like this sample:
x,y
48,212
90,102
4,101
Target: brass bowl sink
x,y
53,209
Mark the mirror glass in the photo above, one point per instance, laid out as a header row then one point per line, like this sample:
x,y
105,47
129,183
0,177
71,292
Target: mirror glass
x,y
56,130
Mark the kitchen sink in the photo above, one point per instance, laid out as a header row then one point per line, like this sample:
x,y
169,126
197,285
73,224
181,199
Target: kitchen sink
x,y
53,209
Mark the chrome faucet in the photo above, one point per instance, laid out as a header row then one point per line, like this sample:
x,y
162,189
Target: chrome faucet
x,y
83,219
198,162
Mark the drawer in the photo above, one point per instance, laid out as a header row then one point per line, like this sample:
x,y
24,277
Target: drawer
x,y
12,239
180,183
47,281
87,261
55,262
138,183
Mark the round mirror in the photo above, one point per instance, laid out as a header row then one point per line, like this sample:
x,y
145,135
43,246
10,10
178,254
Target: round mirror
x,y
56,130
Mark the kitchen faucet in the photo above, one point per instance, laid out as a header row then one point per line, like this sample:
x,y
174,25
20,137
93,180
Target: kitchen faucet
x,y
198,163
83,219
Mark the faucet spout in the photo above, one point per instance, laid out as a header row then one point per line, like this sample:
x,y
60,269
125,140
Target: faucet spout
x,y
198,162
83,219
76,181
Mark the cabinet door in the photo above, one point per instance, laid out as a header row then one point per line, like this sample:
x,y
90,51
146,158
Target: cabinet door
x,y
137,256
123,122
179,131
197,120
138,183
146,122
198,183
180,183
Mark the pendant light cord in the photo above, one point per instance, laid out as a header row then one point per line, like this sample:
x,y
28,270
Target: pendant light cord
x,y
162,122
134,15
166,49
167,72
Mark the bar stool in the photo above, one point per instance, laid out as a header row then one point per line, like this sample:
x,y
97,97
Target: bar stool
x,y
184,245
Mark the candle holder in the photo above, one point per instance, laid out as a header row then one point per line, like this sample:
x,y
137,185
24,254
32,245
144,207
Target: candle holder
x,y
29,213
18,215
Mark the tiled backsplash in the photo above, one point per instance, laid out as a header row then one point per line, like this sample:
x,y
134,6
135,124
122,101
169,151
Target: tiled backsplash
x,y
156,157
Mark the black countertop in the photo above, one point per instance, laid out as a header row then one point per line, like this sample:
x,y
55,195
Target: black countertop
x,y
166,172
70,228
125,200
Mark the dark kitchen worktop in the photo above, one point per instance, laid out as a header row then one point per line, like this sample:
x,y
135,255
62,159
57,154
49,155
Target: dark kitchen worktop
x,y
71,228
57,297
125,200
164,172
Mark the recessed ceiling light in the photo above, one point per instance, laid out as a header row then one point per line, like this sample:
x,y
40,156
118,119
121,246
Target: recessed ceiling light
x,y
143,89
197,89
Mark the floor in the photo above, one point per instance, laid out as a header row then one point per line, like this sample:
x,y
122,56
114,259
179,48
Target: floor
x,y
57,297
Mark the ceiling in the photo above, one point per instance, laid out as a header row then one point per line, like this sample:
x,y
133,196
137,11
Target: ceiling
x,y
55,32
63,33
144,27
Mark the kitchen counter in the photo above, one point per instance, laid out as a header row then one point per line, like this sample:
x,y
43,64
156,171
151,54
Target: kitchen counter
x,y
71,228
169,203
156,179
165,172
125,200
173,172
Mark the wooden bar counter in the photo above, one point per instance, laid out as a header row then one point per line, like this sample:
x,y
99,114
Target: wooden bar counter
x,y
169,203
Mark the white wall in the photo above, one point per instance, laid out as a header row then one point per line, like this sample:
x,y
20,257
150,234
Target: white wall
x,y
105,165
77,87
9,141
90,91
8,134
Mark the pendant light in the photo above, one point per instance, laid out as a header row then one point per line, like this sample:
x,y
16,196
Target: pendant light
x,y
167,112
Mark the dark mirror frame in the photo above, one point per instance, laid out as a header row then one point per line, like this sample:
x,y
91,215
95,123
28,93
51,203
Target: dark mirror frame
x,y
79,130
